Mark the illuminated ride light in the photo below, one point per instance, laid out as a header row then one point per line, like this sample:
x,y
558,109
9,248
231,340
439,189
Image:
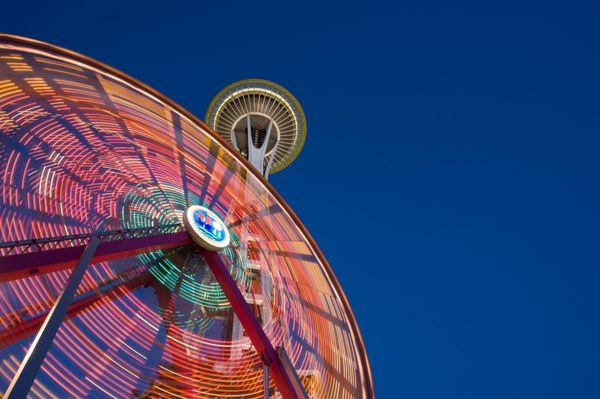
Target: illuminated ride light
x,y
85,149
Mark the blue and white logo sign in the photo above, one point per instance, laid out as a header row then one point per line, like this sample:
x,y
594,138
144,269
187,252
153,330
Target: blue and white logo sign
x,y
206,228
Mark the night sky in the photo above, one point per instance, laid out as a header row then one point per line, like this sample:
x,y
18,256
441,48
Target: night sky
x,y
450,172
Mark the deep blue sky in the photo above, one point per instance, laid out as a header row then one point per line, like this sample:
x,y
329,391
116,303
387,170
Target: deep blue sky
x,y
464,136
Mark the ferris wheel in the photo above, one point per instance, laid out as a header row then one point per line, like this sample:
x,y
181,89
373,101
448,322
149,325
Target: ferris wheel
x,y
143,256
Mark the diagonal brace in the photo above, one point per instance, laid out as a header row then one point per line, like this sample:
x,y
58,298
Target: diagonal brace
x,y
27,372
283,374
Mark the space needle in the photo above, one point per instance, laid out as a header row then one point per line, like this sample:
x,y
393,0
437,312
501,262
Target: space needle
x,y
262,120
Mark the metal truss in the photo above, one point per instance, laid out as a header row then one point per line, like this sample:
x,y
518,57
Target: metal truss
x,y
42,244
60,253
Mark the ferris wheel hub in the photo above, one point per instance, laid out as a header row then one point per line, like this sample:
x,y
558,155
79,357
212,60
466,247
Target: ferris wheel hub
x,y
206,228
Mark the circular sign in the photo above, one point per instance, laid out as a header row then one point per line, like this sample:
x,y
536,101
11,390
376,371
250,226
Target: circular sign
x,y
206,228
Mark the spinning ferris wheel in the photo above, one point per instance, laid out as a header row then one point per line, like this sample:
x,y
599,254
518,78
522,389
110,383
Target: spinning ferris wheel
x,y
143,255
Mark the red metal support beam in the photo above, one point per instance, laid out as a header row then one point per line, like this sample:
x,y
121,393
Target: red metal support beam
x,y
30,365
47,261
14,267
285,377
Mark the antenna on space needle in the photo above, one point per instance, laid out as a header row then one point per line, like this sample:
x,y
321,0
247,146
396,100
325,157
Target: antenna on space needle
x,y
262,120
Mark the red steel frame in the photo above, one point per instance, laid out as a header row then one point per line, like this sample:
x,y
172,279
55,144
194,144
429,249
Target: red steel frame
x,y
46,261
285,378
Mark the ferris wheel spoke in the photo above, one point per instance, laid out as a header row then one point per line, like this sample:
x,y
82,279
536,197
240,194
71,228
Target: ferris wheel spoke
x,y
226,178
180,156
251,217
213,152
29,327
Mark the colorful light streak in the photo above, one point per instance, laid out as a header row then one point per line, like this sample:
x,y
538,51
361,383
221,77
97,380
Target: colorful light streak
x,y
85,148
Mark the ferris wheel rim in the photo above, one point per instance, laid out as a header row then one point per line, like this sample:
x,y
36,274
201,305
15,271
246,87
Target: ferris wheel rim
x,y
38,45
